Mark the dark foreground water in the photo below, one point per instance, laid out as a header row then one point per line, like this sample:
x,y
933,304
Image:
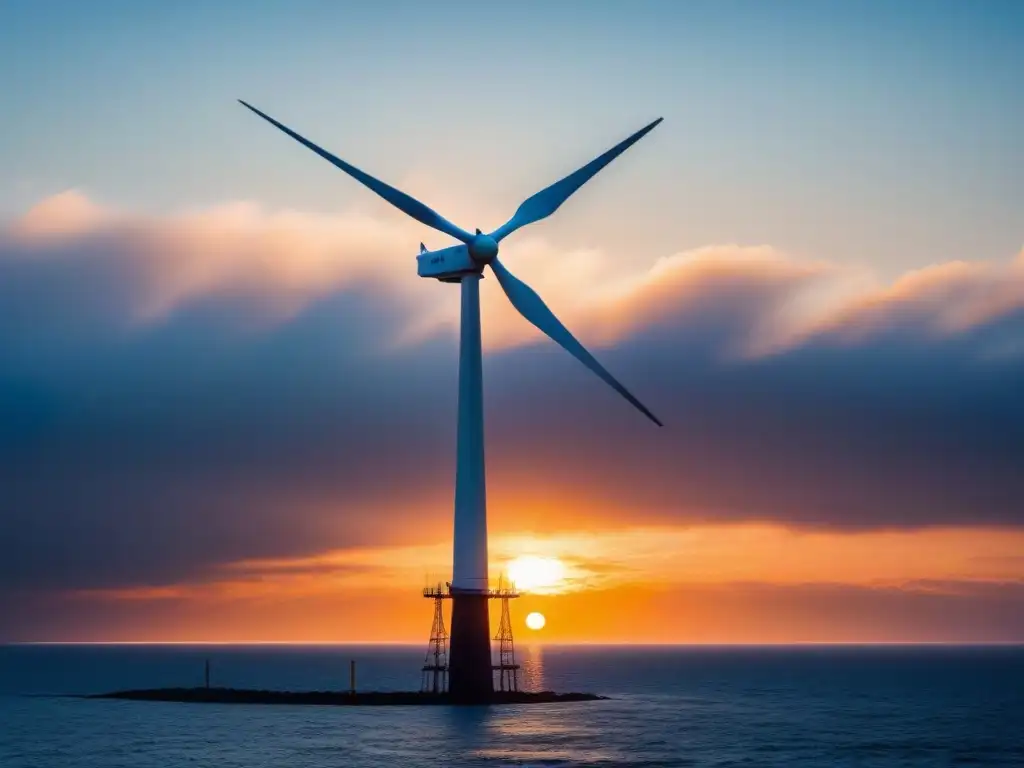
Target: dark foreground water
x,y
809,706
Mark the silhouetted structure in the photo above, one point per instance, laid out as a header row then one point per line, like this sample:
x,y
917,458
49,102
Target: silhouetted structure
x,y
439,671
435,665
508,670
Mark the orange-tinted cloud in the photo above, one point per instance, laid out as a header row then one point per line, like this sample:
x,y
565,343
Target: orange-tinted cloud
x,y
286,260
250,407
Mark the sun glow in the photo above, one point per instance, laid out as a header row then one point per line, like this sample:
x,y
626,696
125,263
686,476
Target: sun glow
x,y
531,573
536,621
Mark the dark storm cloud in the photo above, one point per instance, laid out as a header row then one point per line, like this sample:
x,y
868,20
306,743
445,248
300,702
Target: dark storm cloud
x,y
177,395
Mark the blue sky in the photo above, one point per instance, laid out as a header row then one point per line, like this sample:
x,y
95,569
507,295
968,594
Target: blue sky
x,y
872,133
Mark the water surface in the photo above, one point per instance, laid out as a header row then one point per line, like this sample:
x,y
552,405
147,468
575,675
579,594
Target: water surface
x,y
671,706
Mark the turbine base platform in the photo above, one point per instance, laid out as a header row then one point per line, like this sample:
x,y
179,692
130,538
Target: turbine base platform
x,y
460,665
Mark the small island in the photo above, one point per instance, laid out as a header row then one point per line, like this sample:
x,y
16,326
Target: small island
x,y
205,695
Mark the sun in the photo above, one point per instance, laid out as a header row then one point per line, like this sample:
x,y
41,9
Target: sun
x,y
532,573
536,621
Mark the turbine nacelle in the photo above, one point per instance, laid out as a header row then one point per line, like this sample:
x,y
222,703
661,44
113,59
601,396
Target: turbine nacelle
x,y
448,264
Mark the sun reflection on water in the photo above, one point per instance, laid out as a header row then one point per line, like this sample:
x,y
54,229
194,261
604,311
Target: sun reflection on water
x,y
531,661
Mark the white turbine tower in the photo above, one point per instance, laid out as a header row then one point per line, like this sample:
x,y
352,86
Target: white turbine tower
x,y
470,675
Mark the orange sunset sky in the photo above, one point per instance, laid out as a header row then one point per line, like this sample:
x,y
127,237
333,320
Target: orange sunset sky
x,y
705,584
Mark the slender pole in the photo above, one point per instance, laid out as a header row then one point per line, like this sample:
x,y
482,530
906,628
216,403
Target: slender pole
x,y
469,653
470,556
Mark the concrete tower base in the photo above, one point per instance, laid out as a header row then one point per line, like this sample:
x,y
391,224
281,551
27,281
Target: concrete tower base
x,y
469,662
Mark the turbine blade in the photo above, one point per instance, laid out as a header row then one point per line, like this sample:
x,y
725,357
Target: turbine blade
x,y
547,201
533,308
397,198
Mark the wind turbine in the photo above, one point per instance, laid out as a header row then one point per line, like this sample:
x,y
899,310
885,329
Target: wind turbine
x,y
470,675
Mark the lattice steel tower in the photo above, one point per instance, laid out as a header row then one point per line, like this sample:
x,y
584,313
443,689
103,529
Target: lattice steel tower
x,y
508,670
435,665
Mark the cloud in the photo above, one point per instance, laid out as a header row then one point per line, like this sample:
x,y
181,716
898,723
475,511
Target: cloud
x,y
679,557
138,270
180,392
144,269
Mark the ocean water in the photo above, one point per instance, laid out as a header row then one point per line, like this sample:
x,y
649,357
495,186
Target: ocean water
x,y
669,706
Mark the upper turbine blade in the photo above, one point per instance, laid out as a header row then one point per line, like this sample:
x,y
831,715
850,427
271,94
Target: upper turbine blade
x,y
396,197
533,308
546,202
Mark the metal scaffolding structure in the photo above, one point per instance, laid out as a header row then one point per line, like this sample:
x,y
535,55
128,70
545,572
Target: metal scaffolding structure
x,y
435,665
507,669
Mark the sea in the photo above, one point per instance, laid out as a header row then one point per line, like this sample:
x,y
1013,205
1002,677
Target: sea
x,y
878,706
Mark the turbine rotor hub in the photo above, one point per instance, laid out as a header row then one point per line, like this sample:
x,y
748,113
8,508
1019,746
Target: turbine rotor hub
x,y
483,248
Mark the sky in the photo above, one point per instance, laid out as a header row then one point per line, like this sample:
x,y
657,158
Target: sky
x,y
227,403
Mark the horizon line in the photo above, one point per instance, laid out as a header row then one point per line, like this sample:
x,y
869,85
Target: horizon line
x,y
417,643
